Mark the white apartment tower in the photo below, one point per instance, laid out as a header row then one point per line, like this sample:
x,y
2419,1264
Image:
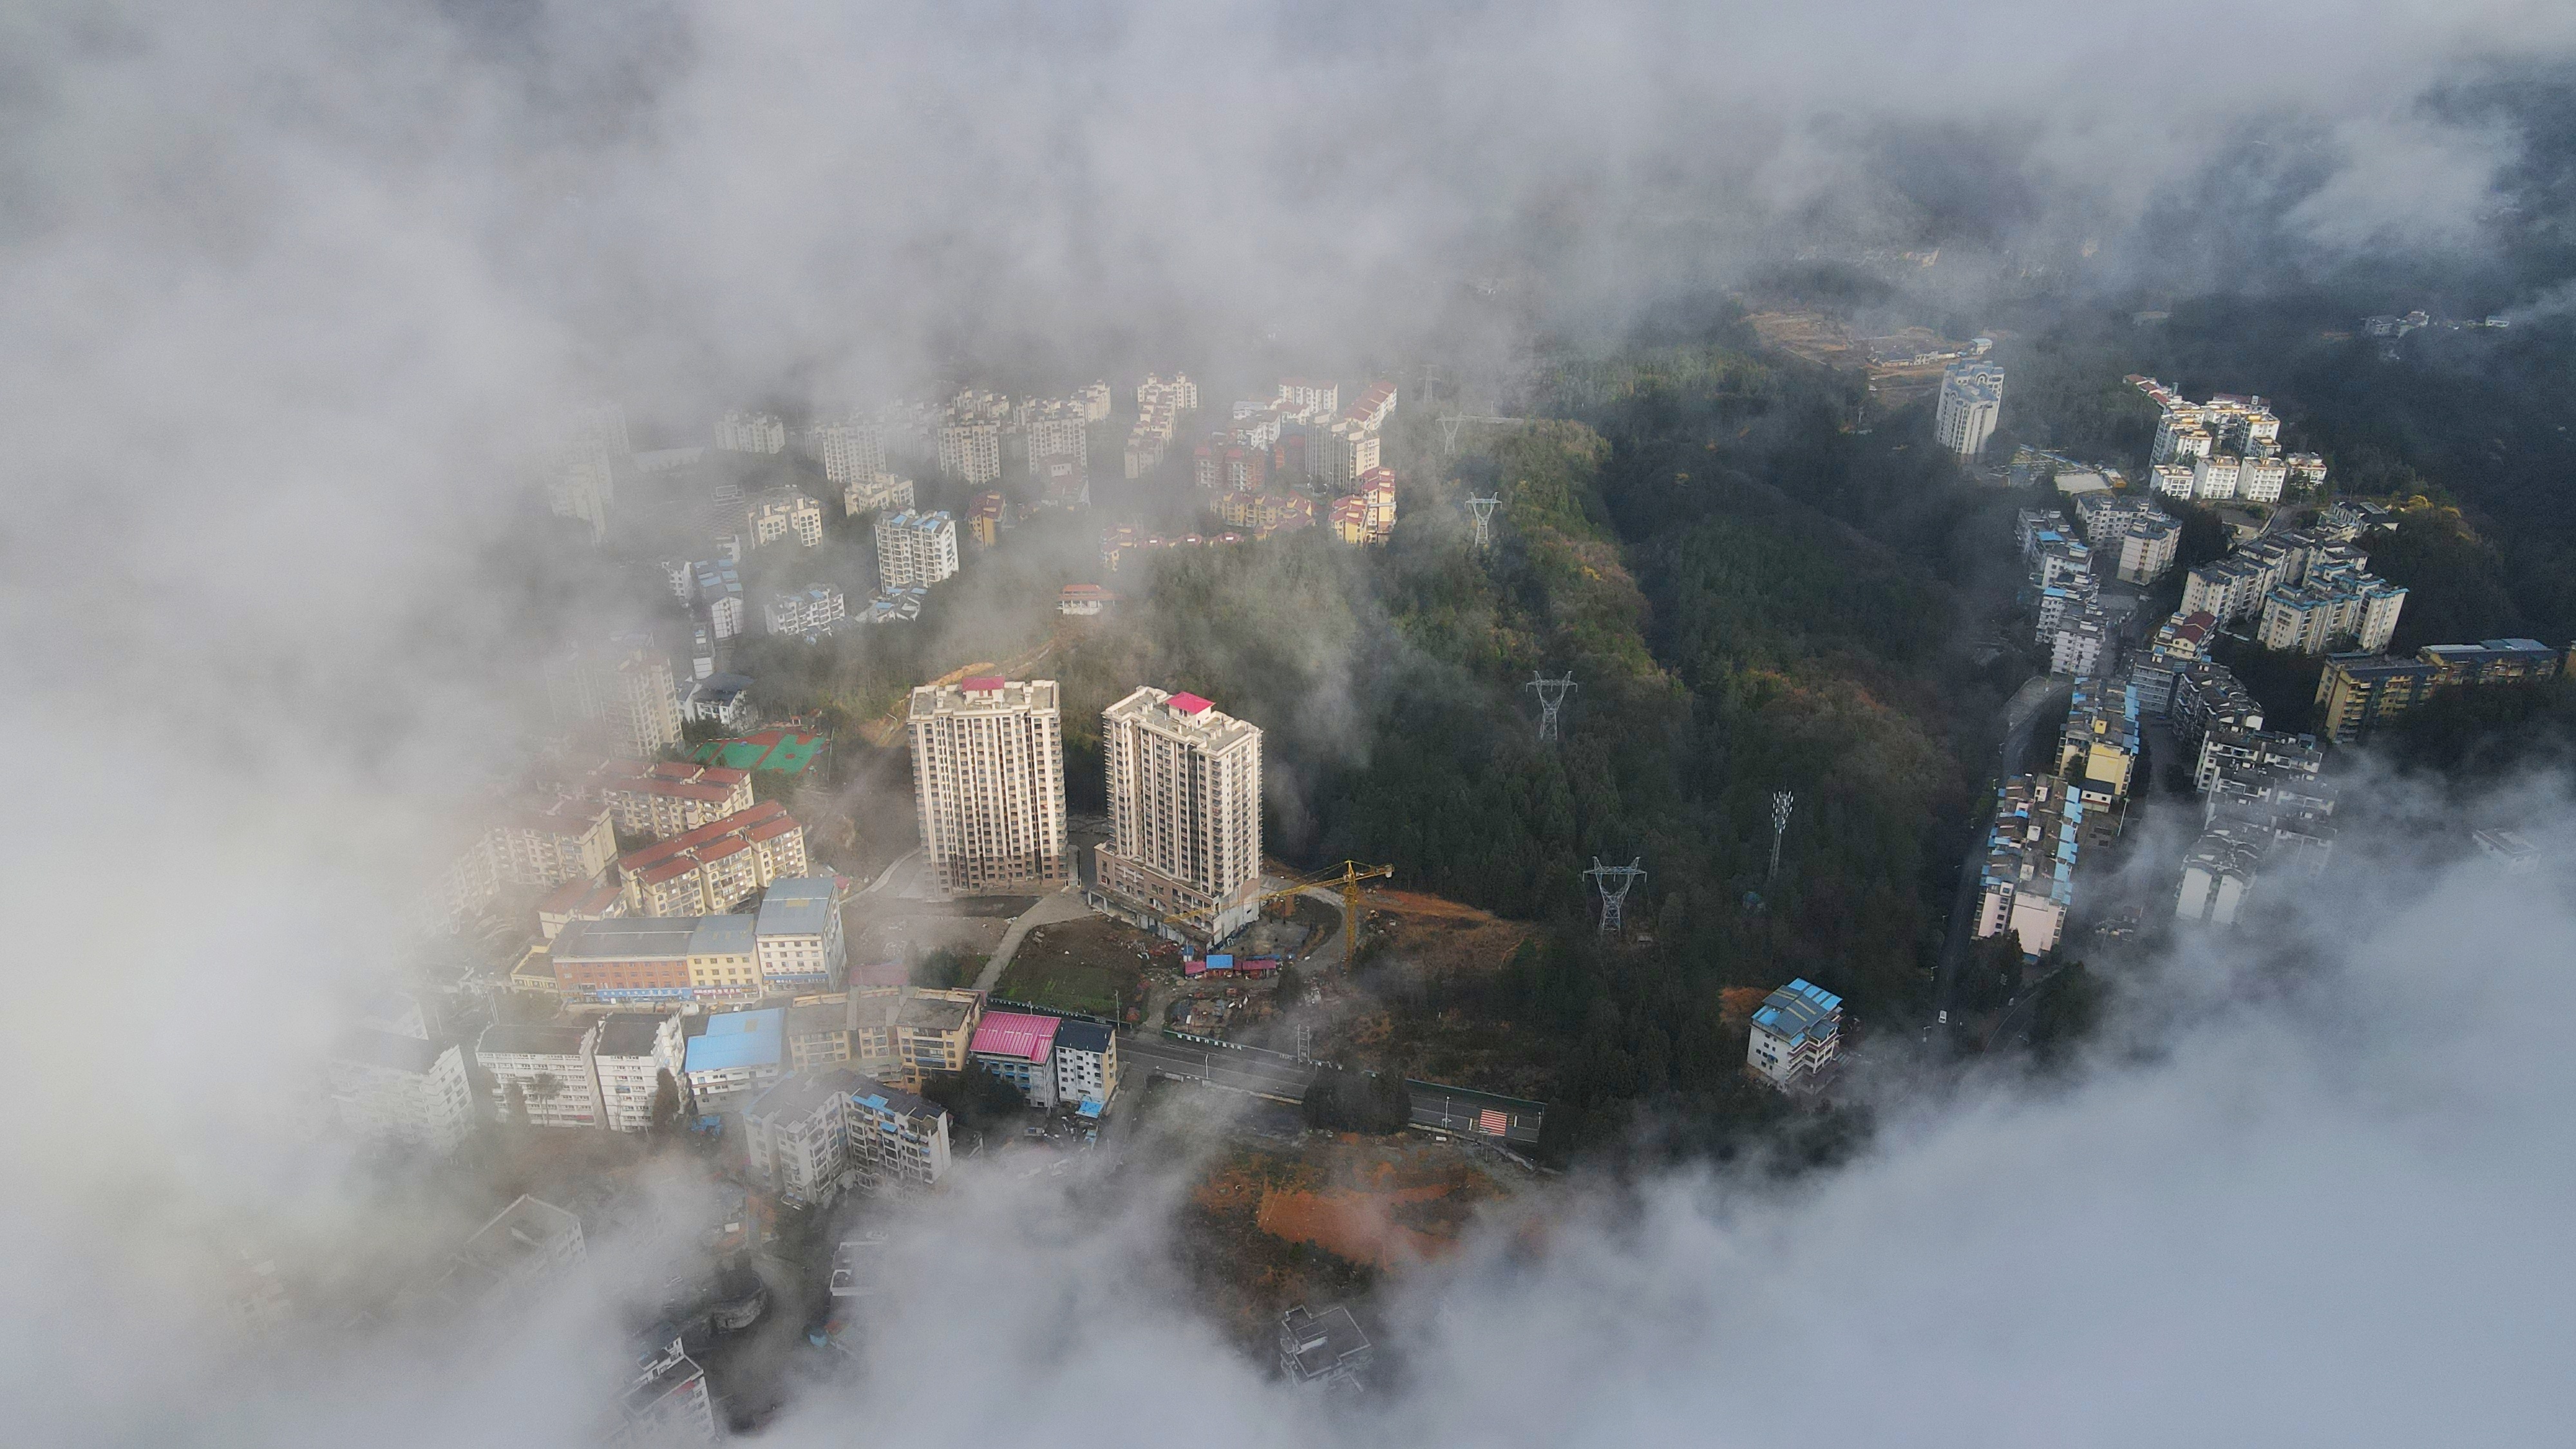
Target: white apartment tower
x,y
970,450
1972,401
851,449
915,550
595,448
1184,813
988,778
751,433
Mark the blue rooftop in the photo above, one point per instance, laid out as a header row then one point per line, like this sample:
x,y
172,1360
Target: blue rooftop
x,y
797,906
736,1039
1797,1009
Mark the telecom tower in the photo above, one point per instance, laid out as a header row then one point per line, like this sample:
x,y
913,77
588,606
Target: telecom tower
x,y
1551,698
1782,802
1483,509
1614,881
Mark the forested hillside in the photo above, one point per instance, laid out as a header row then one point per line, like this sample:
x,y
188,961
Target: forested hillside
x,y
1750,600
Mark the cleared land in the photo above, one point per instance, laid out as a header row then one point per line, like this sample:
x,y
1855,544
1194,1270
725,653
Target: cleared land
x,y
1093,965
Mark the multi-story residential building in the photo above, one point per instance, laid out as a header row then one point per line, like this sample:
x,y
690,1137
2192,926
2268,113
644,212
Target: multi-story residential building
x,y
2215,478
818,1032
852,450
516,1260
632,1051
2241,749
2218,873
2146,550
1020,1049
2173,480
783,514
2082,645
1307,398
1056,429
2357,693
1972,402
897,1140
1323,1346
736,1057
544,843
540,1076
988,784
578,900
879,492
1184,852
724,960
666,1405
2206,694
2035,526
796,1136
1795,1032
2493,661
1374,405
797,935
2334,602
986,516
671,797
595,450
717,593
970,451
901,1034
2305,470
2097,752
741,432
401,1091
1267,513
1160,407
915,550
628,693
1342,454
715,865
1086,1064
1177,392
2260,479
811,613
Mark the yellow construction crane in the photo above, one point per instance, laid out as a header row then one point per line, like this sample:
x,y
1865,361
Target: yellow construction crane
x,y
1344,879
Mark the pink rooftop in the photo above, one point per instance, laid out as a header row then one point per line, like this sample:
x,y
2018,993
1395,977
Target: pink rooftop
x,y
981,683
1014,1034
1189,704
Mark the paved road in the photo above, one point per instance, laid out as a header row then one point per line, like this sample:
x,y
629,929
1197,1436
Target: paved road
x,y
2028,705
1064,905
1255,1072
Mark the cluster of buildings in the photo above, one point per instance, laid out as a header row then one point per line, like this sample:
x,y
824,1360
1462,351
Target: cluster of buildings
x,y
1161,407
2065,594
974,430
2042,823
1117,543
2305,592
2224,450
1278,455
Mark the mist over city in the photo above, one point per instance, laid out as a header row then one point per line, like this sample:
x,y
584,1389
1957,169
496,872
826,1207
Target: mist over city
x,y
1477,724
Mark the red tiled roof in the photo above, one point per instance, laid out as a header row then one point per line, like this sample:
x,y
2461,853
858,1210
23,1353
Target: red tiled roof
x,y
1190,704
667,870
772,829
978,683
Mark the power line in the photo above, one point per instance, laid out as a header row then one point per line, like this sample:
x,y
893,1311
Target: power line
x,y
1551,698
1614,881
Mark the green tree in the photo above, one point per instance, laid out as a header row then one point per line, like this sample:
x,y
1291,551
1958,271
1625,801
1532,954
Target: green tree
x,y
665,1115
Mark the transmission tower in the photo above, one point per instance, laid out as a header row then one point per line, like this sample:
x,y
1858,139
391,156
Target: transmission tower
x,y
1551,698
1782,803
1483,509
1449,427
1614,881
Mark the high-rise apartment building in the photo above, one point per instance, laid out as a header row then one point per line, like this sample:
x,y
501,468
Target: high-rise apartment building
x,y
915,550
1185,815
740,432
850,449
541,1075
988,780
595,450
970,450
401,1090
878,491
1972,402
628,691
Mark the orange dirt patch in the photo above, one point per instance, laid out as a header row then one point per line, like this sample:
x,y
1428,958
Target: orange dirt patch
x,y
1738,1003
1356,1225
